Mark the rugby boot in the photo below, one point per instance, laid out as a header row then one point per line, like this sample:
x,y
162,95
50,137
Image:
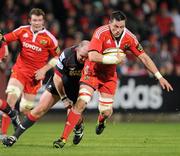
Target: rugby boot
x,y
78,134
9,141
59,143
100,127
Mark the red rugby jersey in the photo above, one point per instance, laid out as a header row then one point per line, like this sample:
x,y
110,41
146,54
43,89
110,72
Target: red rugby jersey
x,y
103,39
36,47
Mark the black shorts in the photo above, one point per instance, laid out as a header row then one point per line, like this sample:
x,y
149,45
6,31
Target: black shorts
x,y
51,87
71,87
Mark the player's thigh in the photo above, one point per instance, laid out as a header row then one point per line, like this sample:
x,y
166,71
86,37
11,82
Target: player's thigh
x,y
108,88
30,91
47,100
85,95
14,91
71,88
27,102
105,104
16,80
106,97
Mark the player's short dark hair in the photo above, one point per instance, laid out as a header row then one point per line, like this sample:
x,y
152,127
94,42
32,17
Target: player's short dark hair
x,y
37,12
118,15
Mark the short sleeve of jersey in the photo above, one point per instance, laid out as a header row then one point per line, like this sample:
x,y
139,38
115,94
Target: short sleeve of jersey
x,y
136,47
96,43
53,46
14,35
60,65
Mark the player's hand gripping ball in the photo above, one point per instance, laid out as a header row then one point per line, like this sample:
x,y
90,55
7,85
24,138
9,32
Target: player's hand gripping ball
x,y
119,53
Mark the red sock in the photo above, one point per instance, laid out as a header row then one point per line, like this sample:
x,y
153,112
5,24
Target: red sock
x,y
101,118
72,119
5,124
31,117
4,105
81,120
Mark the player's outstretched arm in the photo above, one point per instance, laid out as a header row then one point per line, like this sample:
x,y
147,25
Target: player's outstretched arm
x,y
165,84
40,73
147,61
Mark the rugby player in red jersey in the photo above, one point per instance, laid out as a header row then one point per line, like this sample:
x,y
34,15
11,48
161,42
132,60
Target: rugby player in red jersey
x,y
38,44
99,72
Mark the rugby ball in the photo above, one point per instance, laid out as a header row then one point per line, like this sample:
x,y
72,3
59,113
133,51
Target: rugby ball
x,y
114,52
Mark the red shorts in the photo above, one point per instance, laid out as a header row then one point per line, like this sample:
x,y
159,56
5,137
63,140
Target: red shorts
x,y
103,86
31,86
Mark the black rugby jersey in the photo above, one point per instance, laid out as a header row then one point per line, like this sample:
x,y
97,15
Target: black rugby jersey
x,y
68,65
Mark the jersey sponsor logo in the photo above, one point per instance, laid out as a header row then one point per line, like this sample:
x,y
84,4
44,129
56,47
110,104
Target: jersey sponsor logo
x,y
72,68
108,41
126,46
86,77
75,73
60,65
62,57
139,47
43,42
33,47
57,50
25,35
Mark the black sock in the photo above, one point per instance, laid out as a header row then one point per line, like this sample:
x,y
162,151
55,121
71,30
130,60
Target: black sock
x,y
8,110
27,123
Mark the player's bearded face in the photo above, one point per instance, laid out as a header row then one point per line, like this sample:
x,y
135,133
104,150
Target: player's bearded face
x,y
37,22
117,27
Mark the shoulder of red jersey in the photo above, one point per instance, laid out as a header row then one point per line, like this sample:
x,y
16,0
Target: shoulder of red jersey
x,y
22,27
51,36
130,35
100,31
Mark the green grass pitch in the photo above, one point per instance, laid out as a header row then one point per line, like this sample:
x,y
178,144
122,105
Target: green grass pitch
x,y
118,139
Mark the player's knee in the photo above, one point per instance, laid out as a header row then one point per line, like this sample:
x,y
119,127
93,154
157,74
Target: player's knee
x,y
13,90
105,106
40,112
37,112
37,115
26,105
80,105
106,110
107,113
84,95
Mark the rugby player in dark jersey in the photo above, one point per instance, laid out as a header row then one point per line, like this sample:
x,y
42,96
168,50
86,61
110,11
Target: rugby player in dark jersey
x,y
64,86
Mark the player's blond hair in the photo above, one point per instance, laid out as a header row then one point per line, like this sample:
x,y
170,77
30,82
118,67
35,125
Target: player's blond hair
x,y
83,42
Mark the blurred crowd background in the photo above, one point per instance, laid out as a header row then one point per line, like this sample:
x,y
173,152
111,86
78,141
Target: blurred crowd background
x,y
156,23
